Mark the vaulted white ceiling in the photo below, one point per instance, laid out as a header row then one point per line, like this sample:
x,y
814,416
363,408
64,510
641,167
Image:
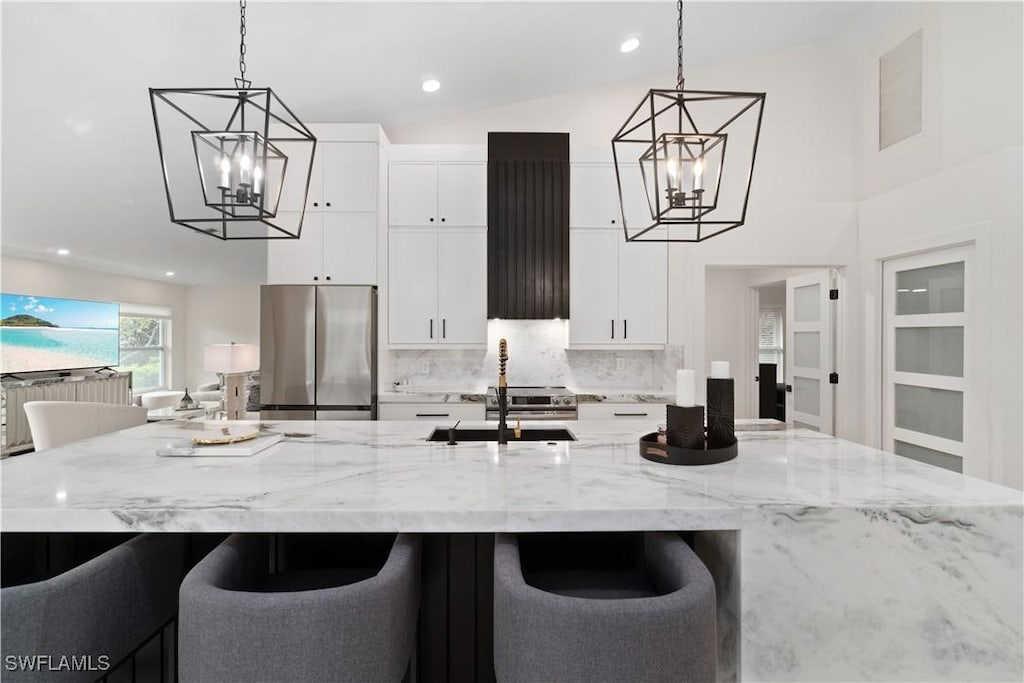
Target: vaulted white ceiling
x,y
80,168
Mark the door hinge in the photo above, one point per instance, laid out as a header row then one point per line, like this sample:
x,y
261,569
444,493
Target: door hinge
x,y
833,378
833,294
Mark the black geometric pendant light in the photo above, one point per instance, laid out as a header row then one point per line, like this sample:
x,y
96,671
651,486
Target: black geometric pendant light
x,y
236,161
679,138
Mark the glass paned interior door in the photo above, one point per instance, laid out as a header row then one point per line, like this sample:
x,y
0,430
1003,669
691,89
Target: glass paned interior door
x,y
809,351
925,363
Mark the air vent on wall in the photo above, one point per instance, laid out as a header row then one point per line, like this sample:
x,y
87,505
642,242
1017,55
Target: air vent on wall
x,y
528,225
900,93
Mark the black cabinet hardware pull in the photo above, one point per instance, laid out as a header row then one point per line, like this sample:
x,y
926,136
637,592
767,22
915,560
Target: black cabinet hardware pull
x,y
431,328
328,203
433,415
613,328
431,219
625,330
443,220
789,388
328,277
630,414
316,204
613,221
315,277
444,328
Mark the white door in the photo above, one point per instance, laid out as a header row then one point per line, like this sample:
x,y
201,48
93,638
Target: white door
x,y
593,287
809,352
594,197
412,287
643,291
462,286
462,194
297,262
349,176
928,388
412,193
350,248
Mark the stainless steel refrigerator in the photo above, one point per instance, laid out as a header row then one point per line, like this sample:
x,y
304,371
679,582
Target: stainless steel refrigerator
x,y
318,352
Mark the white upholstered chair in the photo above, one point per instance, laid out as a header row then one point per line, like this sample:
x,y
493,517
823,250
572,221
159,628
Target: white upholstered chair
x,y
55,423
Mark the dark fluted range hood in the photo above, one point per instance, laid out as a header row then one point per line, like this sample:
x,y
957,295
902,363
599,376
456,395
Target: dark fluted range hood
x,y
528,225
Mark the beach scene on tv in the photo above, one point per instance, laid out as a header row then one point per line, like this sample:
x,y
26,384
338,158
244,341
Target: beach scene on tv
x,y
42,333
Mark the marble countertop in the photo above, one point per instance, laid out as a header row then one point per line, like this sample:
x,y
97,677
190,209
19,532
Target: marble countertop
x,y
384,476
623,396
430,396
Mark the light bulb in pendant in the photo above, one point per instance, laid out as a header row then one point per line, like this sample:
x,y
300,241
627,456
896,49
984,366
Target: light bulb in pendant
x,y
698,173
257,179
225,173
673,167
245,164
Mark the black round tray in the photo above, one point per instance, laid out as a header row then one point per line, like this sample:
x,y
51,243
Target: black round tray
x,y
674,455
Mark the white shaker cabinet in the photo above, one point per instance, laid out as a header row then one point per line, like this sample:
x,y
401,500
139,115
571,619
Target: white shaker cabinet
x,y
437,290
335,248
618,291
594,196
344,178
433,411
435,194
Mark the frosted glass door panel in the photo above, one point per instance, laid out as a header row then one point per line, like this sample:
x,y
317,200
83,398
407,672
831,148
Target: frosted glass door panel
x,y
807,304
806,395
935,289
807,350
938,412
930,350
929,456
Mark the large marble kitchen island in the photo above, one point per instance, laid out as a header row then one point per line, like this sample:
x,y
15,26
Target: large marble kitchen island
x,y
833,560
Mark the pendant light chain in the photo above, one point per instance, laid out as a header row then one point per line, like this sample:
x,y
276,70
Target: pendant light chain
x,y
679,45
242,81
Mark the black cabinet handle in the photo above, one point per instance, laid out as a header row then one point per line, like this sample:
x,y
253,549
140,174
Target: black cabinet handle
x,y
630,414
789,388
431,328
625,330
316,204
431,219
613,328
613,221
315,277
443,220
328,203
328,277
433,415
444,328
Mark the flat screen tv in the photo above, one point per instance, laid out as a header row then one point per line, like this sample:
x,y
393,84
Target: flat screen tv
x,y
39,333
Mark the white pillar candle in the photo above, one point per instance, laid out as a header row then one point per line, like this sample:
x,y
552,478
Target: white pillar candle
x,y
686,388
720,369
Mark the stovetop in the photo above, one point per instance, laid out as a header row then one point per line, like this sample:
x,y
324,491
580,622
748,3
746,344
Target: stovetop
x,y
538,398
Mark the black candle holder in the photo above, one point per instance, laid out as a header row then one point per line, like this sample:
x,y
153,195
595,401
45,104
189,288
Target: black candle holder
x,y
685,426
721,413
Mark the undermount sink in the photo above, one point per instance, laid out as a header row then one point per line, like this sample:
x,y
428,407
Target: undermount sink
x,y
528,434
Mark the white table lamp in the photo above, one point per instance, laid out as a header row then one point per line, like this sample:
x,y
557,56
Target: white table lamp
x,y
233,361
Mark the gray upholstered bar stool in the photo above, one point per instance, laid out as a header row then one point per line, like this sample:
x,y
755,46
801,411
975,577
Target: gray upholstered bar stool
x,y
238,621
652,619
99,611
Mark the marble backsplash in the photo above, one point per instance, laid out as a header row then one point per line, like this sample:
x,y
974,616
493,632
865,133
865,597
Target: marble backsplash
x,y
538,357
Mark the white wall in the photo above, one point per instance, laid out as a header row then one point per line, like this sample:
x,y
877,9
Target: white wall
x,y
24,276
218,315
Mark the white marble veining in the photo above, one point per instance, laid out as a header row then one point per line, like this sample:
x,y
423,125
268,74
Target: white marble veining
x,y
538,357
622,396
430,396
853,564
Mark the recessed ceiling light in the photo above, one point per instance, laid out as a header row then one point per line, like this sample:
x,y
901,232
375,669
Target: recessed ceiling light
x,y
629,45
63,252
169,273
431,85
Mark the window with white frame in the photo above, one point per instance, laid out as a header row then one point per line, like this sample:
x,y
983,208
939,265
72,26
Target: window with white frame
x,y
769,339
145,335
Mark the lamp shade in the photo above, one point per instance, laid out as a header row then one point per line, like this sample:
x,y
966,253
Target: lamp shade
x,y
231,358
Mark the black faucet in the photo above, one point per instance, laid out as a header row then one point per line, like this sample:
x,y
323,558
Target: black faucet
x,y
502,392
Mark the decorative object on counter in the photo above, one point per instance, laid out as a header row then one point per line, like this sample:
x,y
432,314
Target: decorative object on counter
x,y
234,361
187,402
250,150
502,391
217,444
685,426
686,388
721,402
679,137
651,449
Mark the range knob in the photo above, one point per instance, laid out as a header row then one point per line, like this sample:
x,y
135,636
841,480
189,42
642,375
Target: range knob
x,y
555,400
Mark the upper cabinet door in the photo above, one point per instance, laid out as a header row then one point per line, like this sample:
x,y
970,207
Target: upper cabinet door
x,y
297,262
593,196
412,281
643,292
350,248
462,286
349,176
462,194
412,193
593,288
